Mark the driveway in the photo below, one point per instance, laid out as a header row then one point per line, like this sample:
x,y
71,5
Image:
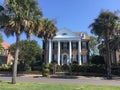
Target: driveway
x,y
64,79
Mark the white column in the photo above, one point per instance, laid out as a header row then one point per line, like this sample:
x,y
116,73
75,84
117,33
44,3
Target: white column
x,y
70,51
79,52
58,52
50,51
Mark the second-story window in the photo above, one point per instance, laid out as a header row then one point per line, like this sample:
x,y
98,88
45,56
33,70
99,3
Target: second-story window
x,y
65,46
84,45
74,45
55,45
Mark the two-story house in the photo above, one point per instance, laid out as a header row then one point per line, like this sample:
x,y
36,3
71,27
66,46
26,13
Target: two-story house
x,y
67,47
5,56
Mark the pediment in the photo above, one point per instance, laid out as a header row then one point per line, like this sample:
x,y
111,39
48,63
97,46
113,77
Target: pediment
x,y
65,33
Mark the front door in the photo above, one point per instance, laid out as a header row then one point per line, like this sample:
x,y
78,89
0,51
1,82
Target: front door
x,y
64,59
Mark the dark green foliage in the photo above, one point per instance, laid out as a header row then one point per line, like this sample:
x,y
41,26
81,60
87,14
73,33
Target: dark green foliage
x,y
37,66
116,70
89,68
45,69
75,62
97,60
65,68
58,68
29,52
6,68
0,63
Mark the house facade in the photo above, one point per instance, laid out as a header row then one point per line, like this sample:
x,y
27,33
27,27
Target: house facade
x,y
68,47
5,56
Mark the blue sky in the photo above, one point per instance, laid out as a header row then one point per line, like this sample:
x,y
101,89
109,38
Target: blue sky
x,y
75,15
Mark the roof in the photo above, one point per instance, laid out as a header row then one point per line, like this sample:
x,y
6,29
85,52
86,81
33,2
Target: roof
x,y
5,45
66,34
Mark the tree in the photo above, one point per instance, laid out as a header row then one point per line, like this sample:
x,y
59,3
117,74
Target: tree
x,y
105,26
16,17
46,30
1,40
93,46
96,59
29,52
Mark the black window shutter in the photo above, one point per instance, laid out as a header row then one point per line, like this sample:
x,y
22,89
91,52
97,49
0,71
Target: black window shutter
x,y
81,45
67,45
53,57
62,44
82,58
77,57
76,45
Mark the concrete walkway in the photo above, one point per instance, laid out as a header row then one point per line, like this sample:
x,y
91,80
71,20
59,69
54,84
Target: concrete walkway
x,y
64,79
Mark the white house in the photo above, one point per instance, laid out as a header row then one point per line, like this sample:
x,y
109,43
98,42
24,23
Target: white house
x,y
67,47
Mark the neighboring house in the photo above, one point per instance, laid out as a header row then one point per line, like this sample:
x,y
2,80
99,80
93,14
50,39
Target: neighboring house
x,y
5,56
67,47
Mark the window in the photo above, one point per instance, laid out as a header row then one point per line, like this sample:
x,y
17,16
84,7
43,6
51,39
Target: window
x,y
84,57
65,45
54,57
74,45
84,45
64,33
74,57
55,45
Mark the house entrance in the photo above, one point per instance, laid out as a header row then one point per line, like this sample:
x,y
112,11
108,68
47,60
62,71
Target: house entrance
x,y
64,58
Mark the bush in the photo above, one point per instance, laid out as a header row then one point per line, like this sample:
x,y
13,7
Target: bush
x,y
6,68
89,68
97,60
65,68
45,70
36,66
116,70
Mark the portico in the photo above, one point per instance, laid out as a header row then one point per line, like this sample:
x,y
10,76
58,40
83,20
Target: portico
x,y
63,46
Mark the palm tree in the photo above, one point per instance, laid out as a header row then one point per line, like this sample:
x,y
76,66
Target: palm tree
x,y
19,16
105,26
46,30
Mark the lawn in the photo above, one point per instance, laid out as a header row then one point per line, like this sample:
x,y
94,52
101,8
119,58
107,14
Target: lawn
x,y
46,86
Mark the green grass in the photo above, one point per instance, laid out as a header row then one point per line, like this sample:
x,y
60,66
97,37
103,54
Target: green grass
x,y
46,86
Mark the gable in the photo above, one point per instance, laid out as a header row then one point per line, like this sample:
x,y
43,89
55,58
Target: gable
x,y
65,33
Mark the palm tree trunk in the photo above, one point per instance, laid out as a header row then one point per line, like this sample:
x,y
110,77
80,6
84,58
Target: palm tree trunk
x,y
14,73
108,61
46,52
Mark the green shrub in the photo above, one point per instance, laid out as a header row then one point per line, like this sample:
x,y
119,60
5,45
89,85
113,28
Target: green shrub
x,y
65,68
58,68
97,60
92,68
36,66
45,69
116,70
6,68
